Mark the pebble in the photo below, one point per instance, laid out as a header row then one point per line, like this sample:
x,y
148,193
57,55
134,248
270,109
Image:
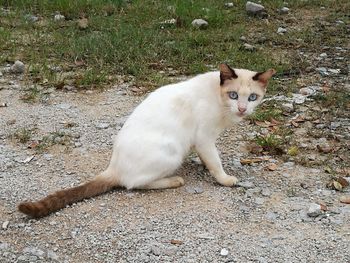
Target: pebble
x,y
314,210
102,126
253,8
287,107
266,192
334,71
31,18
248,47
229,5
224,252
323,55
307,91
284,10
34,251
194,190
322,71
259,201
200,23
18,67
58,17
245,184
335,124
281,30
5,224
243,38
52,255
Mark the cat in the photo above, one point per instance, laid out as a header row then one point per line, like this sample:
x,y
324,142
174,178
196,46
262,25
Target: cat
x,y
160,132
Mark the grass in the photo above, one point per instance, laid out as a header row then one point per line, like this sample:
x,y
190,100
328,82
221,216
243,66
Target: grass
x,y
127,38
22,135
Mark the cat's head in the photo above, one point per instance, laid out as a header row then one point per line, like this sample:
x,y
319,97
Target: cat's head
x,y
242,90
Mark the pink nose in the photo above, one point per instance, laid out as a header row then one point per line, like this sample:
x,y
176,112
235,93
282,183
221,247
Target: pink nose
x,y
242,109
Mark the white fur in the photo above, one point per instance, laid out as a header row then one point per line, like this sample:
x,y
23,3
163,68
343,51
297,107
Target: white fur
x,y
162,129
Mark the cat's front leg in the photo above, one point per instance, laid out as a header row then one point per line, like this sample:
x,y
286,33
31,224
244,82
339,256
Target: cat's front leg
x,y
209,155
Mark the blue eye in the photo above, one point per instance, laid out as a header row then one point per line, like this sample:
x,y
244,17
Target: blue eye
x,y
252,97
233,95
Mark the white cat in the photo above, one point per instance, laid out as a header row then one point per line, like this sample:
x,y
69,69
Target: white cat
x,y
161,131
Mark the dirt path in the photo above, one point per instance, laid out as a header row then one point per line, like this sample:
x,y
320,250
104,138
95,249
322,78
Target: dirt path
x,y
264,220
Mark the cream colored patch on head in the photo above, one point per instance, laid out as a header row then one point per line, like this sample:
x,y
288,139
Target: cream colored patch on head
x,y
242,90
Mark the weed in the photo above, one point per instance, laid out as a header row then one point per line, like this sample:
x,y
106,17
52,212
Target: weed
x,y
23,135
266,114
270,143
32,95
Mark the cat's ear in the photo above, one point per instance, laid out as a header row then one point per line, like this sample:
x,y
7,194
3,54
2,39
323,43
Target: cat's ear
x,y
226,73
263,77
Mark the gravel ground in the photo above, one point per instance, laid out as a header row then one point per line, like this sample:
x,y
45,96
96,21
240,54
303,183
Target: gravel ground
x,y
265,219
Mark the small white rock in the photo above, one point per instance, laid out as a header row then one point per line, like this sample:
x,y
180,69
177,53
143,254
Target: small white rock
x,y
5,224
284,10
248,47
288,107
323,55
334,71
200,23
224,252
229,5
58,17
314,210
307,91
254,8
18,67
281,30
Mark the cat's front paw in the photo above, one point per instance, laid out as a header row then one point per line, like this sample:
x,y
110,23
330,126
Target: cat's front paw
x,y
229,181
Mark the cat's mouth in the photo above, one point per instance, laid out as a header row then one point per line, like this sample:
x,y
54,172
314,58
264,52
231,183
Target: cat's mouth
x,y
240,114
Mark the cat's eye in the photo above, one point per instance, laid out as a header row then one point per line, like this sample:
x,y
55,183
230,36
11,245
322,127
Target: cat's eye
x,y
233,95
252,97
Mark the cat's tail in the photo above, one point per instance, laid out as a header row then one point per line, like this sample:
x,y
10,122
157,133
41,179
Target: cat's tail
x,y
62,198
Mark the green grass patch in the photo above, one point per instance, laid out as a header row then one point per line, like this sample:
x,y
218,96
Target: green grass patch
x,y
128,38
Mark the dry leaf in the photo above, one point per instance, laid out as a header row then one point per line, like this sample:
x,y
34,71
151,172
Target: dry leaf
x,y
343,182
295,124
345,199
272,167
323,207
33,144
324,148
176,242
337,186
253,160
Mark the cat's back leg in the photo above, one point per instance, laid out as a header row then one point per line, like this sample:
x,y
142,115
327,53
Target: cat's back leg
x,y
163,183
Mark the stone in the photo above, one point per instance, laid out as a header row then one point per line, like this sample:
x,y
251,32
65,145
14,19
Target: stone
x,y
314,210
18,67
284,10
224,252
287,107
335,124
200,23
265,192
102,126
195,189
245,184
31,18
281,30
229,5
323,71
5,224
58,17
259,201
3,246
307,91
243,38
323,55
334,71
248,47
253,8
52,255
34,251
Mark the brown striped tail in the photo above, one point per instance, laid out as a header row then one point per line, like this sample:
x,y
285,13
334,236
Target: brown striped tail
x,y
62,198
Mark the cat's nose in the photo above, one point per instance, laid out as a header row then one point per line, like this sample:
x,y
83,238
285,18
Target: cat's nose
x,y
242,109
